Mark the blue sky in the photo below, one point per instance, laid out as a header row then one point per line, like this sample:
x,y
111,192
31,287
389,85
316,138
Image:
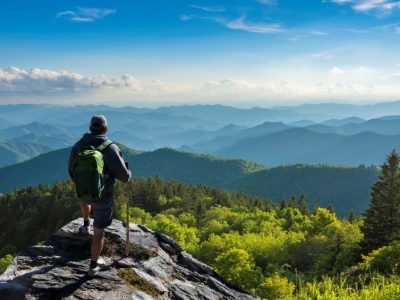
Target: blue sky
x,y
253,52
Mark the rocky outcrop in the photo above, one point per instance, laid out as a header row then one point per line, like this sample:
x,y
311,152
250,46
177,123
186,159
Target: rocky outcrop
x,y
157,268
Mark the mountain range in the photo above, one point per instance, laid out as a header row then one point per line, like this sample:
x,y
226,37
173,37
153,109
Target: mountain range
x,y
216,130
261,151
11,153
345,188
301,145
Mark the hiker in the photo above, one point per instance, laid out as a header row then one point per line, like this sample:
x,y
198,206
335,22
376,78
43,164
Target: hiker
x,y
96,194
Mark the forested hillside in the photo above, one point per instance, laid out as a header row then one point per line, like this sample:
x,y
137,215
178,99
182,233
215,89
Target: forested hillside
x,y
345,188
168,163
12,153
274,251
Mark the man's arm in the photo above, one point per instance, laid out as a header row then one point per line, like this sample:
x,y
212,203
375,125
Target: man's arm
x,y
72,156
116,163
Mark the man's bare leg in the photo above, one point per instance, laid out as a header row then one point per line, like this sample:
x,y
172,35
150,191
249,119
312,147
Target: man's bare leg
x,y
85,209
97,243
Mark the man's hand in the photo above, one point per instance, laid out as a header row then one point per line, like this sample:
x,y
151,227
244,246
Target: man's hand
x,y
128,171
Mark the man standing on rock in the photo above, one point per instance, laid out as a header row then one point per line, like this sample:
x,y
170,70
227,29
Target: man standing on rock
x,y
94,164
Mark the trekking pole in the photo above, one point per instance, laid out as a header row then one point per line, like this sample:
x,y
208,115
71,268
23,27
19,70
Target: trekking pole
x,y
127,227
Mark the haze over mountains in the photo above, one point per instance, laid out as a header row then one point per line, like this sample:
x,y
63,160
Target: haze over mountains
x,y
339,134
261,141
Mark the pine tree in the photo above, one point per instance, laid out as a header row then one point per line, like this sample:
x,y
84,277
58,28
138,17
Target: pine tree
x,y
351,217
283,204
382,219
292,202
303,205
316,207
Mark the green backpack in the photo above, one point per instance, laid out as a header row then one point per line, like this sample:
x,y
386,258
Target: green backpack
x,y
88,171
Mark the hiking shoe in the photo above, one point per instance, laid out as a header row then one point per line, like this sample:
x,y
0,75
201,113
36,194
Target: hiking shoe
x,y
84,230
100,266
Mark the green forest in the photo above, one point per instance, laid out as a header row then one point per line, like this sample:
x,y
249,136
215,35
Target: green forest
x,y
285,251
345,188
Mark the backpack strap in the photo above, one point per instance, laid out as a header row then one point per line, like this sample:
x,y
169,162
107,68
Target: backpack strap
x,y
83,146
104,145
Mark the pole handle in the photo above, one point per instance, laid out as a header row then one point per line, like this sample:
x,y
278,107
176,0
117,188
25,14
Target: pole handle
x,y
127,227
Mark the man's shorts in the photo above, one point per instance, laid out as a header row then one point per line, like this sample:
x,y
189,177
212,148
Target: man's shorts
x,y
102,212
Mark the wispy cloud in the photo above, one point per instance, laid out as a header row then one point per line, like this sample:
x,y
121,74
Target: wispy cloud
x,y
393,27
325,55
312,33
357,30
243,25
336,71
240,24
185,18
213,9
390,27
285,90
317,32
297,37
85,15
381,7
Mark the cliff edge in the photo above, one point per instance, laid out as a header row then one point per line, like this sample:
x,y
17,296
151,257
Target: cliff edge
x,y
157,268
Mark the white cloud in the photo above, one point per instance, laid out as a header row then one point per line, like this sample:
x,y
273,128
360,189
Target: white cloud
x,y
309,34
336,71
381,7
340,1
367,5
317,32
43,81
325,55
213,9
357,30
393,27
242,24
297,37
239,24
43,85
185,18
284,90
85,15
390,27
362,70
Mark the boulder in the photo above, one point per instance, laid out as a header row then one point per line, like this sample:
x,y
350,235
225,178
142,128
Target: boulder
x,y
156,268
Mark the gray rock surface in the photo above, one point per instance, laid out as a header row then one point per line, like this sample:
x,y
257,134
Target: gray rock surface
x,y
157,268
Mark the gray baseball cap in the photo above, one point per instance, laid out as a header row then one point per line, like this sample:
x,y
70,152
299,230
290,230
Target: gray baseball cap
x,y
98,122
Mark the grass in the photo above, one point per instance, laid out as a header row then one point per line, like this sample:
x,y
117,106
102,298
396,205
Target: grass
x,y
130,277
113,248
377,287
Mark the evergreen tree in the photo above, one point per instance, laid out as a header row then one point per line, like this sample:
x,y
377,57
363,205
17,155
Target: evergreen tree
x,y
382,219
316,207
292,202
303,205
331,208
351,217
283,204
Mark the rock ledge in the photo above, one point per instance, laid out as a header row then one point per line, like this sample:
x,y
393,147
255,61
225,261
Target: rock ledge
x,y
157,268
